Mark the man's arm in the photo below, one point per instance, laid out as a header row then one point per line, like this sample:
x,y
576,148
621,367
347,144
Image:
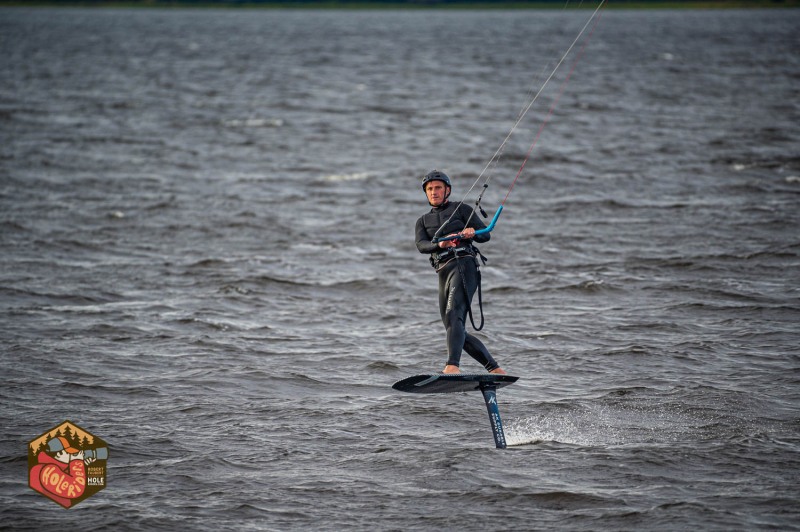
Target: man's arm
x,y
424,244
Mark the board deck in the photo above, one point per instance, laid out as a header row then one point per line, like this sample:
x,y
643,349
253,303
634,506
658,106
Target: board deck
x,y
452,382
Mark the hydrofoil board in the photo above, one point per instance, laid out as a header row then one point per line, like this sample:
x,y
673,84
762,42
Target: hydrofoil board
x,y
452,382
487,383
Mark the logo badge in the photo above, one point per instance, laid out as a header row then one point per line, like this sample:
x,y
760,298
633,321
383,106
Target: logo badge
x,y
67,464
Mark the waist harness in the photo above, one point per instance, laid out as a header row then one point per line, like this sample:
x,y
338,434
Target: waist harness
x,y
440,258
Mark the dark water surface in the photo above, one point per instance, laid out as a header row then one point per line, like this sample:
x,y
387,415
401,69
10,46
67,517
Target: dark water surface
x,y
206,225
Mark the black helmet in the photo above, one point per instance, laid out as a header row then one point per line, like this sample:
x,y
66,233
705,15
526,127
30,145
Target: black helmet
x,y
435,175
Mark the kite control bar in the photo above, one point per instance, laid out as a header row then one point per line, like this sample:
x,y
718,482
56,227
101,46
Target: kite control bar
x,y
487,229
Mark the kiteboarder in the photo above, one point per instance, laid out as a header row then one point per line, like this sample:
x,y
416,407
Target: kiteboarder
x,y
456,262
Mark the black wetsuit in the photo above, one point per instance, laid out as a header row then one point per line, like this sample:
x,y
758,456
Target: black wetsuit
x,y
458,277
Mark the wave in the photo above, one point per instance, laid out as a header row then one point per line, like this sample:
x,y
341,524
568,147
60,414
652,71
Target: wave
x,y
562,500
44,300
255,123
12,226
339,178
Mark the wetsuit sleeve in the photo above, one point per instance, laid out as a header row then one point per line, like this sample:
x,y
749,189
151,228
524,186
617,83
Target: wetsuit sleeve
x,y
424,244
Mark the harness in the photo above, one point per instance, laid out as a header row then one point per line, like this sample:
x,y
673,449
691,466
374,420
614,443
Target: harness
x,y
441,258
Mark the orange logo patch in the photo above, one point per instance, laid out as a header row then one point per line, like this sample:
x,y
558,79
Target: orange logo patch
x,y
67,464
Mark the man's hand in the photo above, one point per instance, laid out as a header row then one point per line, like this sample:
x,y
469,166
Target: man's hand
x,y
467,233
444,244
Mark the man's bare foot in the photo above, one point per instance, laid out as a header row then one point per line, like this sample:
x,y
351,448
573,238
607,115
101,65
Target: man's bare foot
x,y
451,369
498,371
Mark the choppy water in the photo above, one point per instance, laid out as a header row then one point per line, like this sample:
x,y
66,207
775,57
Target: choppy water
x,y
206,224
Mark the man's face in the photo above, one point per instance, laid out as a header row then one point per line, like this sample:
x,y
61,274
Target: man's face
x,y
436,192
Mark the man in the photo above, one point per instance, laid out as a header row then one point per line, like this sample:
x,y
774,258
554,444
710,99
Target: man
x,y
457,265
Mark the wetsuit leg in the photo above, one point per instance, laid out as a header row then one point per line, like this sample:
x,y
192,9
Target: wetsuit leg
x,y
454,305
478,351
450,296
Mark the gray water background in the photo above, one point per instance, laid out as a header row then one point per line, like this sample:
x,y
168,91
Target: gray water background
x,y
206,225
